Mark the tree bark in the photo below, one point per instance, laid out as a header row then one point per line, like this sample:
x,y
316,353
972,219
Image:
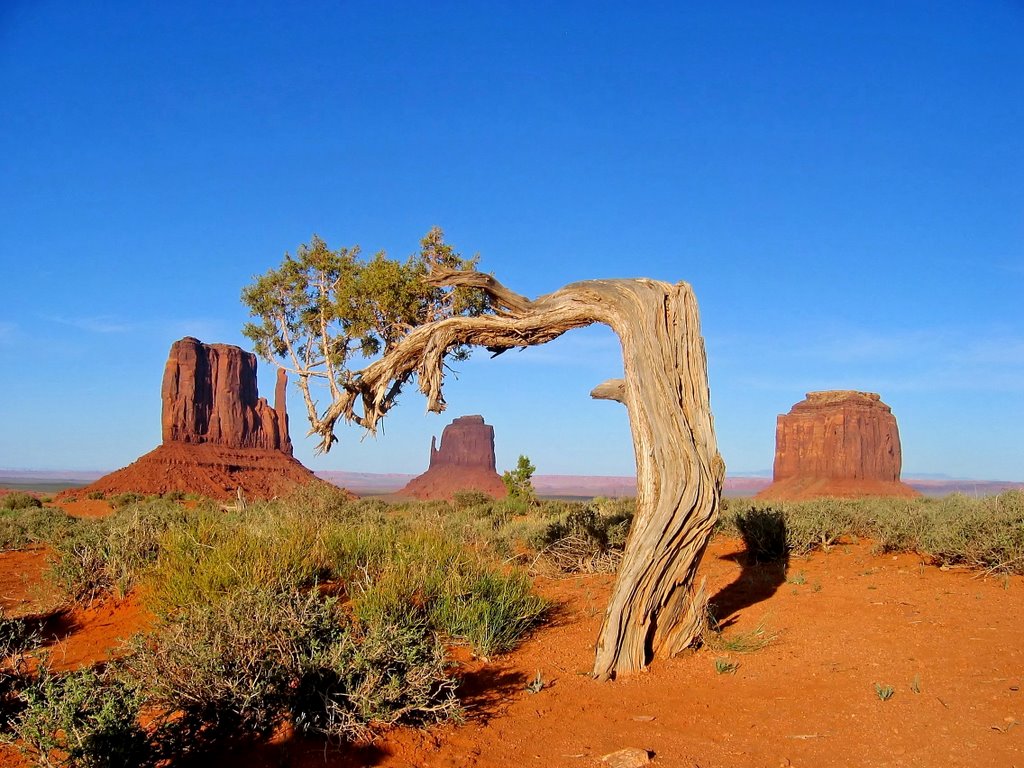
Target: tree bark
x,y
654,611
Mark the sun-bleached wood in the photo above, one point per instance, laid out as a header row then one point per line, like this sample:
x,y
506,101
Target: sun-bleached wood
x,y
655,609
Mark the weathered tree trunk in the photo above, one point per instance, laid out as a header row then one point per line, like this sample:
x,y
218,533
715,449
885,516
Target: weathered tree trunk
x,y
654,610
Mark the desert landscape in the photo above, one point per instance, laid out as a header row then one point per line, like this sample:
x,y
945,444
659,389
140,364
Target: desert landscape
x,y
845,618
691,439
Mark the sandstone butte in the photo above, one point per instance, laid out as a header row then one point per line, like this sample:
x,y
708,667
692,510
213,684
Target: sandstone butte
x,y
220,438
837,443
465,461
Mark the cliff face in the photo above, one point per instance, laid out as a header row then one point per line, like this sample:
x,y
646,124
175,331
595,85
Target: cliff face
x,y
220,438
464,461
209,396
837,443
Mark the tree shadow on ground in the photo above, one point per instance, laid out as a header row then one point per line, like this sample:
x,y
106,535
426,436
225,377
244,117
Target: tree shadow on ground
x,y
763,565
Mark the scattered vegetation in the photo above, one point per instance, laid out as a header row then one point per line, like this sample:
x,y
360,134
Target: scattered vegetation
x,y
985,533
19,500
726,667
714,637
335,615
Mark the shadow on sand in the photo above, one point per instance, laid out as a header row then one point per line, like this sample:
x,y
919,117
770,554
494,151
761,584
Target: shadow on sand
x,y
763,565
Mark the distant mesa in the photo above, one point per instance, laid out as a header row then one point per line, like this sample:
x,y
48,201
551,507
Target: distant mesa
x,y
219,436
464,461
837,443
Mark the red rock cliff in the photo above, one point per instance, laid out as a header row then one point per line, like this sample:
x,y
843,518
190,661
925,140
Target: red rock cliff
x,y
209,396
837,443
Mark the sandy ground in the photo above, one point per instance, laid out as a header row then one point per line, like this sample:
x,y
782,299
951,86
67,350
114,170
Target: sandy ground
x,y
842,620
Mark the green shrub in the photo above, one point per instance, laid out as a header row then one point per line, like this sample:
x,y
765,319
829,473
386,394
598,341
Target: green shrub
x,y
764,533
372,676
19,500
96,495
84,718
32,525
229,664
78,566
470,499
586,537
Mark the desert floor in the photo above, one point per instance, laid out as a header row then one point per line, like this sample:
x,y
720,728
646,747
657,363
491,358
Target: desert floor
x,y
842,621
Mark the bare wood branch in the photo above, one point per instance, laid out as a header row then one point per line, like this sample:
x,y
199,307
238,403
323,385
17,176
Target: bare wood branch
x,y
613,389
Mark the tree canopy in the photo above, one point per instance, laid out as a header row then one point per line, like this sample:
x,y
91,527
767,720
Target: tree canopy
x,y
325,312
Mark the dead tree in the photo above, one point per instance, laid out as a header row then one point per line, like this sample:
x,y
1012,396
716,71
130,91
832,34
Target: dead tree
x,y
655,609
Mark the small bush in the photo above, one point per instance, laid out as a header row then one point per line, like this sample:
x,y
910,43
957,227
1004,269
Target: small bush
x,y
19,500
471,499
374,676
587,538
32,525
84,718
764,534
96,495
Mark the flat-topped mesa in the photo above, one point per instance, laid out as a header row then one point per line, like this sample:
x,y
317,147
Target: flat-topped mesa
x,y
465,461
466,442
837,443
210,395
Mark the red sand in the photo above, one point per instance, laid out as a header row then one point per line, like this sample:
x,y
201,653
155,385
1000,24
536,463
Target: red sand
x,y
845,620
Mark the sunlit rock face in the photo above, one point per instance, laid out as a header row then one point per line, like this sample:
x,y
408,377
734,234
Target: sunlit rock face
x,y
209,395
220,438
837,443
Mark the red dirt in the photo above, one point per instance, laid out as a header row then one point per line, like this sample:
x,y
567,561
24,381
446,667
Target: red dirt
x,y
844,620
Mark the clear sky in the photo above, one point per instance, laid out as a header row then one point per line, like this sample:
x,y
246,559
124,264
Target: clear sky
x,y
841,182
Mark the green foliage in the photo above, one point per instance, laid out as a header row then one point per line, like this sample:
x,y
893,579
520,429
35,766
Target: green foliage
x,y
726,667
586,537
84,718
714,637
518,481
32,525
19,500
372,676
985,533
884,692
322,309
97,555
764,534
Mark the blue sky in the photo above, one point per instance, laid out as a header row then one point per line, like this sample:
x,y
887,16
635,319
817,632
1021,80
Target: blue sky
x,y
842,183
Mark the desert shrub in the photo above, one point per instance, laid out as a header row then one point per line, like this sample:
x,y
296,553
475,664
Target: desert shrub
x,y
470,499
229,664
32,525
78,564
174,496
84,718
19,500
124,499
96,495
370,676
586,538
764,533
253,657
983,533
418,575
488,609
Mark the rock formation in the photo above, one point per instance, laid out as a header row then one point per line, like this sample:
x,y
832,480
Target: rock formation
x,y
464,461
837,443
220,438
209,396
